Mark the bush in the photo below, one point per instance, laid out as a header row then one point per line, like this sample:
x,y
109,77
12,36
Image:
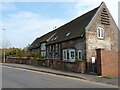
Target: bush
x,y
16,52
35,55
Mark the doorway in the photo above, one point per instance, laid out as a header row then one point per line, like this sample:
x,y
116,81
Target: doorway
x,y
98,62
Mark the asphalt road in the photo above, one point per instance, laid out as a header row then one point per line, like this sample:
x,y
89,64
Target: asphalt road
x,y
21,78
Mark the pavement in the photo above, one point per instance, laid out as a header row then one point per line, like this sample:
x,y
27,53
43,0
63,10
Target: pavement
x,y
89,77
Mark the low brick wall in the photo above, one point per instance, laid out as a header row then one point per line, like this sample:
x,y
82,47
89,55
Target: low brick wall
x,y
79,66
109,63
26,61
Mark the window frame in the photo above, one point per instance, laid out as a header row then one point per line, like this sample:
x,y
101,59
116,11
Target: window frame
x,y
64,55
43,46
80,51
70,57
100,33
67,54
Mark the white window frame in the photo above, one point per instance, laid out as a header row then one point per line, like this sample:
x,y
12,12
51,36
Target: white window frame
x,y
71,58
43,47
56,48
65,55
100,32
79,51
50,48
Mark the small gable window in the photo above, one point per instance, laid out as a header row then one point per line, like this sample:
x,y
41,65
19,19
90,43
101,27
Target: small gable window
x,y
52,39
100,32
68,33
55,37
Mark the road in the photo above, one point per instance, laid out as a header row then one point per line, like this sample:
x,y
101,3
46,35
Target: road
x,y
22,78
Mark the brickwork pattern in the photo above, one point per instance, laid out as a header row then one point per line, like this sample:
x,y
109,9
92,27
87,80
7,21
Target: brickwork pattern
x,y
109,63
78,66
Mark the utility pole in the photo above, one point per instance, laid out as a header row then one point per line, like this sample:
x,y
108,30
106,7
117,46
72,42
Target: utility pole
x,y
3,45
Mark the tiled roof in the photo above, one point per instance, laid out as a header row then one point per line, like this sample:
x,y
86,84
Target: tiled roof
x,y
73,29
44,38
34,44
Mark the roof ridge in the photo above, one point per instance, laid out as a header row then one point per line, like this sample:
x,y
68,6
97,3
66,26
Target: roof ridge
x,y
84,14
75,26
70,21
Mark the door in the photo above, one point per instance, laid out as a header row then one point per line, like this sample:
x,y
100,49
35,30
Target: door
x,y
98,62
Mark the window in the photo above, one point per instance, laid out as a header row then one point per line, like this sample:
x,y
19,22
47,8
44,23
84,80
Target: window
x,y
52,39
43,47
53,49
53,55
55,37
43,54
68,33
80,55
69,54
100,32
64,54
50,48
56,47
72,55
68,57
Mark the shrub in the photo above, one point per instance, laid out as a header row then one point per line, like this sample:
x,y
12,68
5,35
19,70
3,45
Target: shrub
x,y
35,55
16,52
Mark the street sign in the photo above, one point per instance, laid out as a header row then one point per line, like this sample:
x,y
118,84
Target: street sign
x,y
93,59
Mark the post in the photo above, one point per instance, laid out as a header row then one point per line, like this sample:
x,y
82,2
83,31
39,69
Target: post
x,y
93,64
4,57
3,45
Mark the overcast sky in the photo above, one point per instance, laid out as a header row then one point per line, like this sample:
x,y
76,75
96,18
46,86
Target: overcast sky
x,y
25,21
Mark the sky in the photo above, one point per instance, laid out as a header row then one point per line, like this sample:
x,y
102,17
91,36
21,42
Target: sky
x,y
25,21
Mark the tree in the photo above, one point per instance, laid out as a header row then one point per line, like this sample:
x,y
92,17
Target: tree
x,y
16,52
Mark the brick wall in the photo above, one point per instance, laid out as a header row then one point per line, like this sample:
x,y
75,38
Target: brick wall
x,y
109,63
79,66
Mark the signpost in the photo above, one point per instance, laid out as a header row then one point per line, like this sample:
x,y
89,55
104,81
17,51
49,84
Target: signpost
x,y
93,63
